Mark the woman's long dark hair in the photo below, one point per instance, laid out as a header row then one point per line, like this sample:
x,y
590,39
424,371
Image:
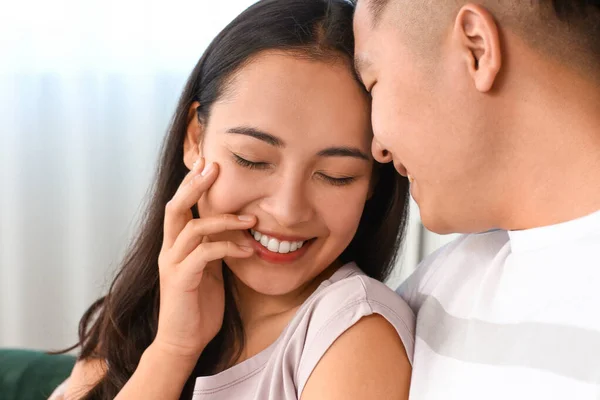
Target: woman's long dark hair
x,y
120,326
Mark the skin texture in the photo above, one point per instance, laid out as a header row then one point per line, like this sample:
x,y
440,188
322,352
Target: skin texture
x,y
496,130
366,362
313,107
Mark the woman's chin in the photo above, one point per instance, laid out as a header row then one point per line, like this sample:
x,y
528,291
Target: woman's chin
x,y
266,278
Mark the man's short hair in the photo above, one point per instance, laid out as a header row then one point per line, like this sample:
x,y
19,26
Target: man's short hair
x,y
567,9
377,7
551,25
564,9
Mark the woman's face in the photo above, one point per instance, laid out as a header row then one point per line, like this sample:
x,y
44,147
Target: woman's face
x,y
292,139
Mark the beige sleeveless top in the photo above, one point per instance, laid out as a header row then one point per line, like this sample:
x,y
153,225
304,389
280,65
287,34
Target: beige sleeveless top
x,y
281,371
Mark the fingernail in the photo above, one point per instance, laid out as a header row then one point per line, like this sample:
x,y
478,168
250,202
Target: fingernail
x,y
245,218
196,163
208,169
246,249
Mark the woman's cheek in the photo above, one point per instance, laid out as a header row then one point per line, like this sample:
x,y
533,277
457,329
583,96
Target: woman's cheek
x,y
342,213
230,193
345,220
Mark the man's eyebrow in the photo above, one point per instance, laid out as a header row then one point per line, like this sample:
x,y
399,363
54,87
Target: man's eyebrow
x,y
257,134
361,63
344,152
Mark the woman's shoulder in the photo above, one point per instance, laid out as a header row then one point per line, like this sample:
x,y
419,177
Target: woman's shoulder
x,y
350,294
341,304
367,361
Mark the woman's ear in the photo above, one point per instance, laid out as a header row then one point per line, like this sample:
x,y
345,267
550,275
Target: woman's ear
x,y
192,145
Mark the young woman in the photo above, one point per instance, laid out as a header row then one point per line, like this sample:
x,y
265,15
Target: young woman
x,y
257,271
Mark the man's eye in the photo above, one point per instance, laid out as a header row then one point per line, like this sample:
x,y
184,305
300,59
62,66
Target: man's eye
x,y
250,164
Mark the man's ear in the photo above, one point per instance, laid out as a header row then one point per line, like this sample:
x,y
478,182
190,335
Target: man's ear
x,y
192,145
476,35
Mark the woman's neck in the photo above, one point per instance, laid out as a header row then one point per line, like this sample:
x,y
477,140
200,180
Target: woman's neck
x,y
255,307
264,317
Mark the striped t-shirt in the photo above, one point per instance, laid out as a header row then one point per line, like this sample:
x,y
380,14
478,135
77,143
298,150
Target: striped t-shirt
x,y
509,315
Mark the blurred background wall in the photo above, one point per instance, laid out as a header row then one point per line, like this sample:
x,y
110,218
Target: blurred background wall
x,y
87,89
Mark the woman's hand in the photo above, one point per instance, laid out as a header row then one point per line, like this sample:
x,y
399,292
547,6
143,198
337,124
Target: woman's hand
x,y
190,266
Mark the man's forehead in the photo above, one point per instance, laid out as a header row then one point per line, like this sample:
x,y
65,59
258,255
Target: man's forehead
x,y
361,62
362,14
363,35
372,11
362,23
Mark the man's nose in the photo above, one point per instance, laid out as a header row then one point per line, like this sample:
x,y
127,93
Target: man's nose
x,y
380,153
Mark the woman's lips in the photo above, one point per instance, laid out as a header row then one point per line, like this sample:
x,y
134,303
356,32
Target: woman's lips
x,y
277,257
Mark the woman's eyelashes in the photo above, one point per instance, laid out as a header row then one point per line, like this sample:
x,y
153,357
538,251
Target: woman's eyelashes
x,y
250,164
337,181
342,181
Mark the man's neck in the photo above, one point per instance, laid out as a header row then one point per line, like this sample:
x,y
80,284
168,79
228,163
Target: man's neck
x,y
556,174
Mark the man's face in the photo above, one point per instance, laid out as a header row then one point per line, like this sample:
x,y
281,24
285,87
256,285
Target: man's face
x,y
427,115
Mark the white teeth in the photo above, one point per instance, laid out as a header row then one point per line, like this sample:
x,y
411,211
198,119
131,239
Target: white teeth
x,y
264,240
274,245
284,247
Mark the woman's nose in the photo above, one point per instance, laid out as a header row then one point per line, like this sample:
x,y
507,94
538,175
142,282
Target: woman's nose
x,y
290,204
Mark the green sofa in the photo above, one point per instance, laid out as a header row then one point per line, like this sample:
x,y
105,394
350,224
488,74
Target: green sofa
x,y
31,375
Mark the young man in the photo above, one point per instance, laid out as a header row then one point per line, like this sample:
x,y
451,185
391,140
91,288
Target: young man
x,y
493,112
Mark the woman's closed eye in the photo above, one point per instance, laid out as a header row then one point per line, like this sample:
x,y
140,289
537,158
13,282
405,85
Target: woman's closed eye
x,y
342,181
259,165
250,164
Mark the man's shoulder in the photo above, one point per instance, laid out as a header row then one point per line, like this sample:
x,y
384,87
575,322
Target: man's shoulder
x,y
466,251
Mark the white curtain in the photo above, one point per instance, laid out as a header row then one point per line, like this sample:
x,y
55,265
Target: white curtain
x,y
86,93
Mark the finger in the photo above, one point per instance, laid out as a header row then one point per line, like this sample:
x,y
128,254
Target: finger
x,y
196,169
177,210
195,230
191,269
169,231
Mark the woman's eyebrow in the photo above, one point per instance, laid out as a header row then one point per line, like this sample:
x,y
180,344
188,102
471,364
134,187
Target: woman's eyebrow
x,y
257,134
344,152
273,140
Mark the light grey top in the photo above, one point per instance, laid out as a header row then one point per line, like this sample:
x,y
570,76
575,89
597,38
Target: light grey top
x,y
280,372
